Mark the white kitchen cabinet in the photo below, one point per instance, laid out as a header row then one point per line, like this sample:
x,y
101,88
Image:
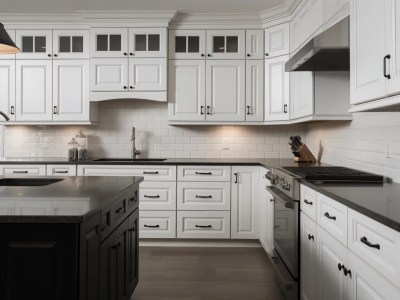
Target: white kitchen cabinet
x,y
11,33
308,258
332,7
254,90
70,44
109,74
187,44
277,40
34,44
225,90
147,42
254,44
7,88
71,90
393,46
276,89
245,202
301,94
109,42
205,173
226,44
20,170
186,90
61,170
34,90
266,215
159,195
147,74
157,224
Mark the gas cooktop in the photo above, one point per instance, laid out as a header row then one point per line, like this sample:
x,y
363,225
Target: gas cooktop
x,y
337,174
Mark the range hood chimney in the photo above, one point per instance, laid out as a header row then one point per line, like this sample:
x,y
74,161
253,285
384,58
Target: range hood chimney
x,y
328,51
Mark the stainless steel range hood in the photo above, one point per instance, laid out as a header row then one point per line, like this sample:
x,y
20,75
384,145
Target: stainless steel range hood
x,y
328,51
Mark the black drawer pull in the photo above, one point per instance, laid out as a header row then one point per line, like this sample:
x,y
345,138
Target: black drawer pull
x,y
150,173
133,199
365,241
20,172
310,237
347,272
203,226
340,266
60,172
203,173
151,196
329,216
152,226
116,246
248,110
387,57
117,211
307,202
204,197
131,229
236,177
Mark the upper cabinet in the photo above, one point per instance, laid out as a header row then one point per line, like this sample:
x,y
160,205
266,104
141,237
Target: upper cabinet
x,y
226,44
34,44
334,10
147,42
187,44
109,42
254,44
7,87
277,40
70,44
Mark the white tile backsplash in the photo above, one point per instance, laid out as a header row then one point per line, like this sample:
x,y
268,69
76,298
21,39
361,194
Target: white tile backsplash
x,y
154,137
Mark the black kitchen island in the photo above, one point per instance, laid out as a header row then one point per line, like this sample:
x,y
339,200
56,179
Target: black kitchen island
x,y
68,238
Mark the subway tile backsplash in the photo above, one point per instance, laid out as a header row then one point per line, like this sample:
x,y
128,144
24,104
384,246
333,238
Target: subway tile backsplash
x,y
154,137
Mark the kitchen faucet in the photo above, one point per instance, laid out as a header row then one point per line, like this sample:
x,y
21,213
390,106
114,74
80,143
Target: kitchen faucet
x,y
134,151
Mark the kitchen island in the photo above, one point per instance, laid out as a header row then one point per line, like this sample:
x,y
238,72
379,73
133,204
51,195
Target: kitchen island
x,y
68,238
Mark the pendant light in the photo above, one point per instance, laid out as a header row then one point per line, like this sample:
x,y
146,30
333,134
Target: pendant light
x,y
7,46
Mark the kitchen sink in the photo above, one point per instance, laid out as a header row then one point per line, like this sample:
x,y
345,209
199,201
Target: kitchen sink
x,y
129,159
28,181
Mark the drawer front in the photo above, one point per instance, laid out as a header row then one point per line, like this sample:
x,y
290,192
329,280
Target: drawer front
x,y
375,243
119,210
204,196
157,195
150,173
308,202
61,170
204,173
157,224
332,216
32,170
203,224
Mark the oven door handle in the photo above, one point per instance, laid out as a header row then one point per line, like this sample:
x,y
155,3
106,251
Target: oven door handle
x,y
278,195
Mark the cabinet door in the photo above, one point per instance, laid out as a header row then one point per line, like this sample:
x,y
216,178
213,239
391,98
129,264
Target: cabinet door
x,y
295,38
147,74
71,90
301,94
367,50
393,46
332,283
133,253
254,44
71,44
225,90
225,44
245,202
254,90
308,258
34,44
187,44
148,42
276,89
109,75
186,90
34,90
7,88
11,33
109,42
266,220
277,40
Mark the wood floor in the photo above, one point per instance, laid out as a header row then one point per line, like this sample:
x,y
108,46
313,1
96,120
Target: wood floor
x,y
205,274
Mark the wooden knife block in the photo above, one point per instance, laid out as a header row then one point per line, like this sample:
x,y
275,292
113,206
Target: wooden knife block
x,y
304,155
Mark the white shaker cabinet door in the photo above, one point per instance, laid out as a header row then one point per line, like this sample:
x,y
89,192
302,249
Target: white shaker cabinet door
x,y
147,42
254,90
34,44
7,88
301,94
186,90
254,44
226,44
148,74
187,44
277,40
393,46
225,90
71,90
34,90
109,74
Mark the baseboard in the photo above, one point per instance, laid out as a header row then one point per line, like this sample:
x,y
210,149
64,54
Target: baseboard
x,y
198,243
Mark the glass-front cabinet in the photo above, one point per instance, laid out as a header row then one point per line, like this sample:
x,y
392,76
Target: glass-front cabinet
x,y
147,42
187,44
34,44
226,44
109,42
71,44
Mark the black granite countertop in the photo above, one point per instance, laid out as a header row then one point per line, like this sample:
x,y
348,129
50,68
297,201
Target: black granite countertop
x,y
70,200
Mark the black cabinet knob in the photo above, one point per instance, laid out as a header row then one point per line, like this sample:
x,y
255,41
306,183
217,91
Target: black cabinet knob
x,y
55,55
209,55
49,55
266,54
202,55
248,55
125,87
131,54
131,87
125,53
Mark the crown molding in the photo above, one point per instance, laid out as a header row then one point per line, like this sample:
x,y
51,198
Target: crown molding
x,y
11,18
280,14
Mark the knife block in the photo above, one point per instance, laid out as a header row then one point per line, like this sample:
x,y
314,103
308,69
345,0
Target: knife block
x,y
304,155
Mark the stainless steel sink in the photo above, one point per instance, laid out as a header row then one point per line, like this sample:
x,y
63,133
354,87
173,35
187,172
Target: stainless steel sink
x,y
129,159
28,181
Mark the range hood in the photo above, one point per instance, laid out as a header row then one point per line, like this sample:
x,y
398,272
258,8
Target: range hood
x,y
328,51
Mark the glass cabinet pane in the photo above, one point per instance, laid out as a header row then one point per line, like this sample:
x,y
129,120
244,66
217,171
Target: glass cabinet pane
x,y
77,44
27,44
232,44
193,44
40,44
180,44
154,42
102,42
115,42
65,44
219,44
140,42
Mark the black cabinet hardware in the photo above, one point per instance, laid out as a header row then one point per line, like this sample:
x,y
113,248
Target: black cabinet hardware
x,y
202,110
204,197
20,172
151,196
271,200
329,216
203,173
310,237
365,241
285,108
208,110
347,272
117,211
61,172
12,111
387,57
133,199
266,54
209,55
307,202
131,54
203,226
131,87
202,55
248,55
150,173
132,229
151,226
340,266
116,246
55,110
49,55
125,87
236,177
248,110
55,55
125,53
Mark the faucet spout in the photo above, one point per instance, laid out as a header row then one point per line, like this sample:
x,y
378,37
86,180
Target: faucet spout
x,y
135,152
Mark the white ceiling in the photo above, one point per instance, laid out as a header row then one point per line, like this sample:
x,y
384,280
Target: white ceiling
x,y
188,6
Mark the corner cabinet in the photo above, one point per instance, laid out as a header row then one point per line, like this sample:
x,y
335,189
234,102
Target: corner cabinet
x,y
7,87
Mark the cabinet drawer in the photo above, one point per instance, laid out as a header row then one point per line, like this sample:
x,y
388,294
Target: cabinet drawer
x,y
375,243
332,216
157,195
150,173
308,202
157,224
61,170
204,173
203,224
32,170
204,196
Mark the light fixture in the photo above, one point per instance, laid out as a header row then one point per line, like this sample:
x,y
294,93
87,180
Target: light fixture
x,y
5,116
7,46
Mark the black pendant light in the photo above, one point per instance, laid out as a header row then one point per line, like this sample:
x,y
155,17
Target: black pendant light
x,y
7,46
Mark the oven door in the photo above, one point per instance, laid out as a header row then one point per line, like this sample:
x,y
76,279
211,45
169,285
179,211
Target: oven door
x,y
286,230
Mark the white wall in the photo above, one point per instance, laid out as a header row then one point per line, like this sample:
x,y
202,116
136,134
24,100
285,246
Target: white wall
x,y
155,138
360,144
